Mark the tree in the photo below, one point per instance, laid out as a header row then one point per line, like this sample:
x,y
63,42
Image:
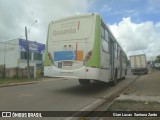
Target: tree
x,y
157,60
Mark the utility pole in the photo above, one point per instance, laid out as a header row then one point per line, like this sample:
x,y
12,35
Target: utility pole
x,y
26,34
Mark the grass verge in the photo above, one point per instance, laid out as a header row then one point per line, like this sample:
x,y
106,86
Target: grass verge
x,y
15,80
132,105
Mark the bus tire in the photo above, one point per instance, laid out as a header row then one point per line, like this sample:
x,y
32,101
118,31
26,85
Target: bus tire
x,y
84,82
114,82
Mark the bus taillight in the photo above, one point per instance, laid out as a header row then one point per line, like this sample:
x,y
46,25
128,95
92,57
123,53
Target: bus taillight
x,y
49,56
87,57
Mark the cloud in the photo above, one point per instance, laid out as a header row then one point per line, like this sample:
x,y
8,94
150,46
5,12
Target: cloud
x,y
17,14
137,38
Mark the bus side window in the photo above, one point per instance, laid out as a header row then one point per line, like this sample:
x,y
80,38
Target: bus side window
x,y
103,39
122,58
115,48
106,35
119,50
105,45
126,59
102,32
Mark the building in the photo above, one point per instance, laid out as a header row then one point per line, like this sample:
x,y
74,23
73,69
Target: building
x,y
13,54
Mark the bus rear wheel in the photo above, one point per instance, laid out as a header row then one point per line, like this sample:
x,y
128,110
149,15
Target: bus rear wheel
x,y
84,82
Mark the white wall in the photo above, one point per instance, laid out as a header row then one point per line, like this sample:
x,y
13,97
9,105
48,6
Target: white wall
x,y
11,53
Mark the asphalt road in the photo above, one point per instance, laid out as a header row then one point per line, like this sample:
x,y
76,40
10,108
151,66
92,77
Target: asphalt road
x,y
55,95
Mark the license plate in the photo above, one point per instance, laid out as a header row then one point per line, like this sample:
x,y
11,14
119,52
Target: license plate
x,y
67,63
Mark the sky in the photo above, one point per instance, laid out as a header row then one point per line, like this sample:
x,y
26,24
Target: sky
x,y
134,23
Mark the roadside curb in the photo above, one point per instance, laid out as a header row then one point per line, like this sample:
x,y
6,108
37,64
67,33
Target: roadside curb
x,y
17,84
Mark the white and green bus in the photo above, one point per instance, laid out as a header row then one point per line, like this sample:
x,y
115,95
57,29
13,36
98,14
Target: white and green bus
x,y
83,47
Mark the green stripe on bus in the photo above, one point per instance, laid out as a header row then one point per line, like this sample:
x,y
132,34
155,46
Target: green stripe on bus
x,y
95,58
47,62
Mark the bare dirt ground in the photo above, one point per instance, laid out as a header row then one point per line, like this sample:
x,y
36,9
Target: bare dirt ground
x,y
143,95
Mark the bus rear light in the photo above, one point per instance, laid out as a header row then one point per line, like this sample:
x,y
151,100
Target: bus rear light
x,y
87,57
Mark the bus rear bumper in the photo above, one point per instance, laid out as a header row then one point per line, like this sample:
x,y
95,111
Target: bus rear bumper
x,y
80,73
